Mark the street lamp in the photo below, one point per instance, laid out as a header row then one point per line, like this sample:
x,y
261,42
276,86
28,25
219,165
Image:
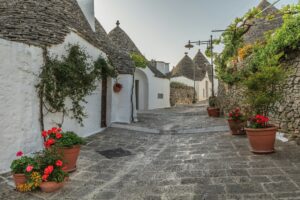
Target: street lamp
x,y
209,43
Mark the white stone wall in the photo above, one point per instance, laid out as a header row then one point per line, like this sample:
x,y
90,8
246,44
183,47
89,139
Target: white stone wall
x,y
87,7
20,129
121,102
157,86
18,100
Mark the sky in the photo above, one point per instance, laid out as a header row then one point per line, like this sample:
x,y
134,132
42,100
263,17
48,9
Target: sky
x,y
161,28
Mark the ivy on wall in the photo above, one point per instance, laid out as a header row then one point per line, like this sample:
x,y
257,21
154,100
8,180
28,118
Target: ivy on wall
x,y
71,79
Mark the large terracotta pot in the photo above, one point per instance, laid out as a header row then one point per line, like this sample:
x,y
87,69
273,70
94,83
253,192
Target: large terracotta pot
x,y
262,140
70,156
51,186
213,112
19,179
237,127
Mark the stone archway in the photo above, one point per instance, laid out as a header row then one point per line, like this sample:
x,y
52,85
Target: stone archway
x,y
141,90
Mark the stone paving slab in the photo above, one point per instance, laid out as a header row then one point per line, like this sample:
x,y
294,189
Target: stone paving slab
x,y
193,166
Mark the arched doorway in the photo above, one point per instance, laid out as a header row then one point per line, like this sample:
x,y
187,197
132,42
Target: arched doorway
x,y
141,90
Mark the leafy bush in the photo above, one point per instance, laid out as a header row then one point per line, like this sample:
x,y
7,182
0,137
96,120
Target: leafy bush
x,y
213,101
19,166
139,60
69,139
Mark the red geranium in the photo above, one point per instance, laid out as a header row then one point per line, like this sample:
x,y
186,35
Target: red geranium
x,y
48,170
59,163
51,136
45,177
19,154
236,115
259,121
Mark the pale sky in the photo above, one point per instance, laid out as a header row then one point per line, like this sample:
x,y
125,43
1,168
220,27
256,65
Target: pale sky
x,y
161,28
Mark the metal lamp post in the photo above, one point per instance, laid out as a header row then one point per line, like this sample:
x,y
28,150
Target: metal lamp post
x,y
208,42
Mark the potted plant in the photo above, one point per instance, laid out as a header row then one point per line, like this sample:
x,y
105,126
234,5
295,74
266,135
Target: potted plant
x,y
261,134
51,164
68,144
22,168
213,110
117,87
237,122
263,89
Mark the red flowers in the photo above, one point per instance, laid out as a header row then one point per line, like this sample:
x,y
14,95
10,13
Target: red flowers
x,y
51,136
48,170
59,163
45,177
259,121
236,115
29,168
19,154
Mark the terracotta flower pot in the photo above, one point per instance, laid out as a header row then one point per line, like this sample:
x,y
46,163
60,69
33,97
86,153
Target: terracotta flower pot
x,y
262,140
19,179
117,88
70,156
213,112
51,186
237,127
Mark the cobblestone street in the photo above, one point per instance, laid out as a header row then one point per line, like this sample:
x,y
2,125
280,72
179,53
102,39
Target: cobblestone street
x,y
185,159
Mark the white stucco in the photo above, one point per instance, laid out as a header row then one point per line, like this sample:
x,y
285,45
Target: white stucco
x,y
87,7
20,65
121,102
19,103
156,86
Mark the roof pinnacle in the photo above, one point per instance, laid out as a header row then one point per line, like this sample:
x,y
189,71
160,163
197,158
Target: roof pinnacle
x,y
118,23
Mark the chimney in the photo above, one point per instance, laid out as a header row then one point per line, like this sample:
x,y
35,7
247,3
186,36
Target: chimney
x,y
87,7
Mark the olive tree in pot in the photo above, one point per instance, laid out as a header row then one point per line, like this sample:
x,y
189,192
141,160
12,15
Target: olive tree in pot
x,y
67,143
213,110
263,90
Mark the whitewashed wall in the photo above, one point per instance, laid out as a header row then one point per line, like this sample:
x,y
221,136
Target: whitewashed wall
x,y
87,7
121,102
18,100
19,104
156,86
143,94
184,80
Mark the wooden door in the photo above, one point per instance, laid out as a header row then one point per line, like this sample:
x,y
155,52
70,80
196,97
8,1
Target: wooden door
x,y
104,103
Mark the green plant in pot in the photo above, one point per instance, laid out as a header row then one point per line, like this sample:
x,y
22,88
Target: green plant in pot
x,y
51,164
22,169
213,110
263,90
236,122
67,143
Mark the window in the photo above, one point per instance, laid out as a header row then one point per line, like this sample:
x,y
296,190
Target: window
x,y
160,96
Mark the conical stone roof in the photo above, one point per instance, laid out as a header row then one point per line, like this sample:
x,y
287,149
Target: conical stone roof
x,y
202,64
186,68
47,22
121,39
261,26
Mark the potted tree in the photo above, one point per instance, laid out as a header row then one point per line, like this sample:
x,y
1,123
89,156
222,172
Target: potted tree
x,y
263,90
68,144
51,164
213,110
236,122
22,168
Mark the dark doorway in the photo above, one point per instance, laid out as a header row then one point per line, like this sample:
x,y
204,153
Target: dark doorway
x,y
103,103
137,83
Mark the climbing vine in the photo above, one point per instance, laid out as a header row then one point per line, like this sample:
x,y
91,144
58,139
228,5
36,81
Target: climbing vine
x,y
70,78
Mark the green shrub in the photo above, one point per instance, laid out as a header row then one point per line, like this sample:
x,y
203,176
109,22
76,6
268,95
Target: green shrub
x,y
69,139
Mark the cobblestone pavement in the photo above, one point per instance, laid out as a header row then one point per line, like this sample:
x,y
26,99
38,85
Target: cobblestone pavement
x,y
177,166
